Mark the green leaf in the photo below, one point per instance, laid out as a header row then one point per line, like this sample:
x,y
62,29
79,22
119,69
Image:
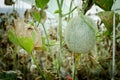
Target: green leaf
x,y
57,11
41,3
8,75
32,23
36,16
107,33
12,37
104,4
107,19
26,43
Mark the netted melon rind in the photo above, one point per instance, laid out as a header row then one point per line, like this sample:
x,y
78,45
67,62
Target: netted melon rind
x,y
79,36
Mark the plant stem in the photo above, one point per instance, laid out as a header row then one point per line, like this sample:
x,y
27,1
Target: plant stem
x,y
113,56
69,13
46,38
60,37
74,66
14,57
48,42
70,9
60,34
38,68
60,31
45,33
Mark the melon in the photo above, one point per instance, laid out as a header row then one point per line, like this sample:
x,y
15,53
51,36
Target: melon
x,y
80,34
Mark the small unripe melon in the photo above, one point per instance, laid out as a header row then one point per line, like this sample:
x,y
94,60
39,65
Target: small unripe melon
x,y
80,34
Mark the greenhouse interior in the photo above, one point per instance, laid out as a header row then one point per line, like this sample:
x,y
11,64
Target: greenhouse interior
x,y
59,39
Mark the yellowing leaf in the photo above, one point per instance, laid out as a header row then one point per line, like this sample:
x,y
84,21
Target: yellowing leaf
x,y
107,19
104,4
